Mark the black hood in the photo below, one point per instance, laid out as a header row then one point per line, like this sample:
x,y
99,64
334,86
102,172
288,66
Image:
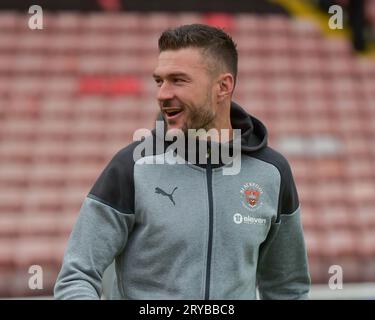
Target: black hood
x,y
253,131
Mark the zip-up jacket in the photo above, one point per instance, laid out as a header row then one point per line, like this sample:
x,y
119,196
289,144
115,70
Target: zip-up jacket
x,y
187,231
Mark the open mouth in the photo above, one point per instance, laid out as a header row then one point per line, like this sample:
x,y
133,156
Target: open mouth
x,y
172,113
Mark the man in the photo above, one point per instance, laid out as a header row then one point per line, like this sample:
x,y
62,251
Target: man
x,y
187,231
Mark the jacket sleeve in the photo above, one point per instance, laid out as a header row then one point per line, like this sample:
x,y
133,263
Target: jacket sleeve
x,y
100,233
282,265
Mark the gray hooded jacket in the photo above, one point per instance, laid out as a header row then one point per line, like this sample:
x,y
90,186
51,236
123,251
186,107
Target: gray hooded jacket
x,y
187,231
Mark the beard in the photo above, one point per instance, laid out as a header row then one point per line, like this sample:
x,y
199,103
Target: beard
x,y
197,116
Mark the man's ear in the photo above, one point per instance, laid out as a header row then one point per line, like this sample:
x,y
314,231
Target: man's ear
x,y
225,85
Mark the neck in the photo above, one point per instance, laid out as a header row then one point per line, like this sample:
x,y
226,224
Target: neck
x,y
222,122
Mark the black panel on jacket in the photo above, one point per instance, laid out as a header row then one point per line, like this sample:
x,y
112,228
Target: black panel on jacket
x,y
115,185
288,198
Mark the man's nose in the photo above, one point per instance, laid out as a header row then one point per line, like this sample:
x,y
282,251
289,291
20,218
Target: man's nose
x,y
165,92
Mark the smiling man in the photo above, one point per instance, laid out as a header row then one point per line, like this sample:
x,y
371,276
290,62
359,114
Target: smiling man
x,y
186,94
186,231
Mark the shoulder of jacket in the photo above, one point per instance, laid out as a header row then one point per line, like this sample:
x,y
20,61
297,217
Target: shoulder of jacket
x,y
274,158
126,153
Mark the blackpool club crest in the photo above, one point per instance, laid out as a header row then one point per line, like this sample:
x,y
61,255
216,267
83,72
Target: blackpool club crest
x,y
251,196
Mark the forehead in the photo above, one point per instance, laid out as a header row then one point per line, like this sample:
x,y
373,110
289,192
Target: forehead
x,y
186,60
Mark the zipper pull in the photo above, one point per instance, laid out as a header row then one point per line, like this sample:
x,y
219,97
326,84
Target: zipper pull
x,y
208,152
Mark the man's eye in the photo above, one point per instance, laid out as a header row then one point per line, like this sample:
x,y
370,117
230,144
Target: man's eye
x,y
178,80
158,82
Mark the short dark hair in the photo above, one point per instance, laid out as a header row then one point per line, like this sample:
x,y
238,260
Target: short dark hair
x,y
213,41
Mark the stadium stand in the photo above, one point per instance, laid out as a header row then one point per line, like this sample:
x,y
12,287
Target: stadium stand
x,y
74,94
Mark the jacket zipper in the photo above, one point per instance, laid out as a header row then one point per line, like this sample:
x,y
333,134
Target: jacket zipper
x,y
210,209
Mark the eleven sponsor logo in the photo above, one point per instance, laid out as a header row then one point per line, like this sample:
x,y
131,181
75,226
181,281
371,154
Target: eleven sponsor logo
x,y
238,218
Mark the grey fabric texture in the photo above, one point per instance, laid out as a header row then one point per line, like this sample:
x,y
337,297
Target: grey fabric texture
x,y
160,246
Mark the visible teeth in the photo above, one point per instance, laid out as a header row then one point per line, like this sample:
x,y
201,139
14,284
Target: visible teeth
x,y
172,113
